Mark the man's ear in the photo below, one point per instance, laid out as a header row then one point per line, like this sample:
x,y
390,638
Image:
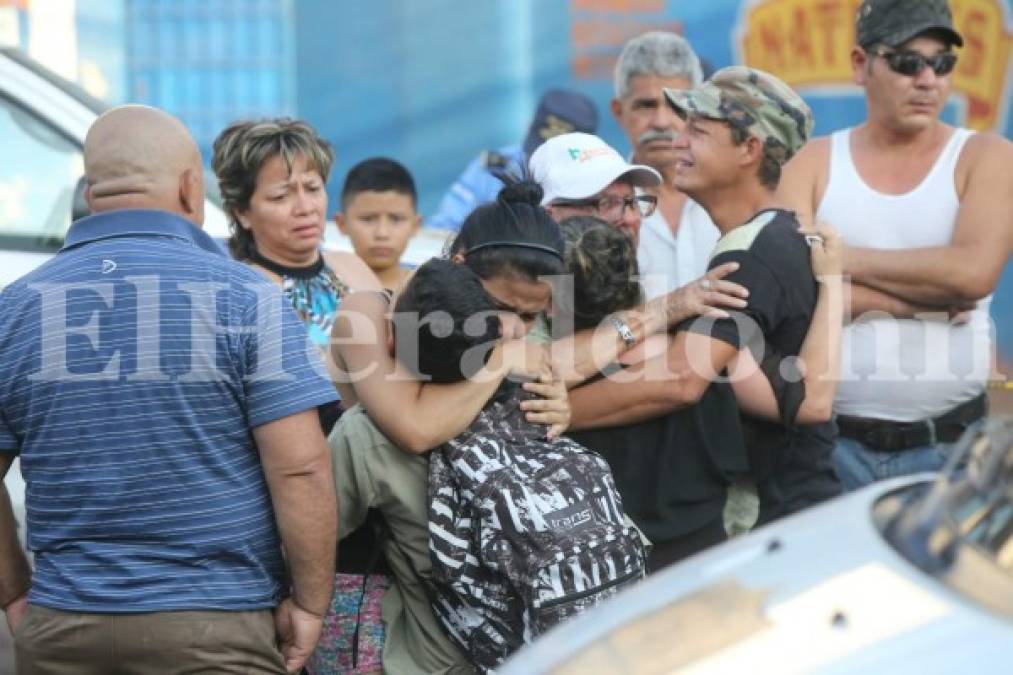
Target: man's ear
x,y
616,106
752,151
88,198
417,225
191,192
339,220
457,258
860,62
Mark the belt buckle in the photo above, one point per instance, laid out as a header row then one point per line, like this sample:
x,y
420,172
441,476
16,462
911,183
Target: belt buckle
x,y
884,438
901,436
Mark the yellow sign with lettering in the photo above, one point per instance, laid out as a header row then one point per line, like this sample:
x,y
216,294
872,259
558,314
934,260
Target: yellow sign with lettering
x,y
807,43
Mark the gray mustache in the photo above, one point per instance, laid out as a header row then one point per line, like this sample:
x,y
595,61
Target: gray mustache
x,y
655,135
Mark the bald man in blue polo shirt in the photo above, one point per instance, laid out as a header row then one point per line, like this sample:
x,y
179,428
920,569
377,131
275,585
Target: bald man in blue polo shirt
x,y
162,400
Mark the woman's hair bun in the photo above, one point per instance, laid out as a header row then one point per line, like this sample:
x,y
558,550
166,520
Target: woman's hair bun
x,y
521,192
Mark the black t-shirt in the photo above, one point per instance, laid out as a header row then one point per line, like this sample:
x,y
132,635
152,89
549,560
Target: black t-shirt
x,y
791,463
672,471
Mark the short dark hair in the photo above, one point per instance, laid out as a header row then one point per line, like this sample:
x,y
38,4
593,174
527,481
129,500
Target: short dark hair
x,y
603,263
441,315
378,174
769,172
513,235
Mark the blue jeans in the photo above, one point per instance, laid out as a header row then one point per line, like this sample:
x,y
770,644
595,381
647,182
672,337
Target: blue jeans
x,y
858,465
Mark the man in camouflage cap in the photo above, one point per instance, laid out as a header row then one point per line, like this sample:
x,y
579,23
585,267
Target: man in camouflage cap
x,y
740,128
754,104
924,207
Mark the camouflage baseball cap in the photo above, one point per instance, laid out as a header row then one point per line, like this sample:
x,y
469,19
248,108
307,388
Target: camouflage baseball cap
x,y
754,101
894,22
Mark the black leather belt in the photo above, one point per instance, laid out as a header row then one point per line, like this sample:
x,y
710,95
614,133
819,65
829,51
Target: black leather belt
x,y
891,436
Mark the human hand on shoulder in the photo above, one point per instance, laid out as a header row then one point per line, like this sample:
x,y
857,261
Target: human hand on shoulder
x,y
707,296
826,250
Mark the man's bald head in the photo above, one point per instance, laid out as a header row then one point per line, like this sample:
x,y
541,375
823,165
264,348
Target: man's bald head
x,y
141,157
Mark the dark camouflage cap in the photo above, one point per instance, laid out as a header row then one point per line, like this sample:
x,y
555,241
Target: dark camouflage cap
x,y
754,101
894,22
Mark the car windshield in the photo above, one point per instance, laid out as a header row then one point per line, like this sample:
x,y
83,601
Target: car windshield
x,y
960,529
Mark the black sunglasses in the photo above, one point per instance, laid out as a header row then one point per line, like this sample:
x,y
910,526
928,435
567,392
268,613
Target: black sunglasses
x,y
911,63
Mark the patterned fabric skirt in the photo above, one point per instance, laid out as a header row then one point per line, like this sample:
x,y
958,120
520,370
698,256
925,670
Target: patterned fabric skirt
x,y
333,655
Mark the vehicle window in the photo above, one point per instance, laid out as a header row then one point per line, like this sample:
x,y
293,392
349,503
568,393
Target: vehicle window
x,y
37,187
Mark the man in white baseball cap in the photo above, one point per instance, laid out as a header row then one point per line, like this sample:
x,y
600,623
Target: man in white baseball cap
x,y
583,175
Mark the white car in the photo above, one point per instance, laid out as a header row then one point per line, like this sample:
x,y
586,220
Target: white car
x,y
912,575
43,122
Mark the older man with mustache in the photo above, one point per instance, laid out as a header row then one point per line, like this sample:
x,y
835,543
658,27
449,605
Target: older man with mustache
x,y
677,238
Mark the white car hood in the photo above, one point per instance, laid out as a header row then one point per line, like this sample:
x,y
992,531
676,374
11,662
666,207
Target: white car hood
x,y
821,591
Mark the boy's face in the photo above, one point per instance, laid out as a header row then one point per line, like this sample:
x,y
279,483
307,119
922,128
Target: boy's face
x,y
379,225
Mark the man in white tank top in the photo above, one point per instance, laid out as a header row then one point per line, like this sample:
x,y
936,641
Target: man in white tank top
x,y
924,209
677,239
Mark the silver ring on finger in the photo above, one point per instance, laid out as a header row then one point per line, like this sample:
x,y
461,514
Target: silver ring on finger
x,y
705,284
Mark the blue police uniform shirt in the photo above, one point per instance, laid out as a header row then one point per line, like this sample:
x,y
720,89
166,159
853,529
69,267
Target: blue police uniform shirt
x,y
133,366
475,186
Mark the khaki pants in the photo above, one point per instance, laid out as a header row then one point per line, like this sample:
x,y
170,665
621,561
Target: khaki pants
x,y
49,641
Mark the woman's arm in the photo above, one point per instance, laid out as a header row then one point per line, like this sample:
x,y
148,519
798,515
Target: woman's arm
x,y
672,380
820,355
351,269
416,416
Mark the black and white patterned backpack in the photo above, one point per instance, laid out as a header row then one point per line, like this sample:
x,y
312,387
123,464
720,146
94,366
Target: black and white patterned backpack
x,y
524,532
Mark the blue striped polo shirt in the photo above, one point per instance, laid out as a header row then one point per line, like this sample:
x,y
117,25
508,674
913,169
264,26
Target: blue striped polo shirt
x,y
133,367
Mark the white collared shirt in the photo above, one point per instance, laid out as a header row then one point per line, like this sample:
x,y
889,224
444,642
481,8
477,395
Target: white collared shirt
x,y
666,261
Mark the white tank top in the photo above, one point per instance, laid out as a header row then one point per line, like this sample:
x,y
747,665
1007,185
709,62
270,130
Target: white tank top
x,y
904,369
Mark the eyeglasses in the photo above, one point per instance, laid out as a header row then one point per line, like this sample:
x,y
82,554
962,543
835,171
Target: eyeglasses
x,y
612,208
911,63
